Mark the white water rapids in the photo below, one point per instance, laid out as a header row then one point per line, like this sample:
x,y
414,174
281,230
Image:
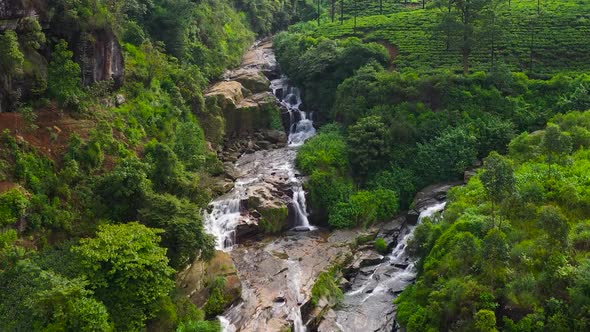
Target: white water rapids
x,y
368,306
226,212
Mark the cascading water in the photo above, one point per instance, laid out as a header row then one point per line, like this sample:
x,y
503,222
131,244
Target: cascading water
x,y
224,213
367,307
301,124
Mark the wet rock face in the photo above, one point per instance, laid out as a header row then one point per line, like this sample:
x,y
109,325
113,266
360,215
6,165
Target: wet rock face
x,y
15,9
100,57
278,277
373,281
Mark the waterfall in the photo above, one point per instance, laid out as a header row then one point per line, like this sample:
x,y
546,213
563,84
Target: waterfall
x,y
366,306
225,213
290,97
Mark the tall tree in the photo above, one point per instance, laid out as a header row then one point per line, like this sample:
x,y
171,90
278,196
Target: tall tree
x,y
470,14
128,272
498,180
448,21
491,28
367,144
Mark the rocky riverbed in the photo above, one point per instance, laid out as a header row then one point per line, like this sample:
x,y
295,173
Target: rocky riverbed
x,y
269,254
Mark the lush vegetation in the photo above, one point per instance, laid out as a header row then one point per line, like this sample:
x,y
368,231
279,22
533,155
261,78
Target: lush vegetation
x,y
400,130
511,252
100,208
92,232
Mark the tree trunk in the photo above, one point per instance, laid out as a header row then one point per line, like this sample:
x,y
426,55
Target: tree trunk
x,y
493,38
341,11
319,12
333,10
466,52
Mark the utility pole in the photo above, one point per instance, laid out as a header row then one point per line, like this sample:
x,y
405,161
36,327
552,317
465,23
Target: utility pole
x,y
381,7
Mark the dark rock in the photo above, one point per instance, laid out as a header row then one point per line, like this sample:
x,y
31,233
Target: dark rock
x,y
402,266
101,58
468,175
412,217
279,299
371,260
246,232
265,145
276,136
367,270
432,194
231,171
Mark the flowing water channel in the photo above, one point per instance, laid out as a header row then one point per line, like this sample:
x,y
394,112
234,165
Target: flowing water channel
x,y
277,276
226,211
368,305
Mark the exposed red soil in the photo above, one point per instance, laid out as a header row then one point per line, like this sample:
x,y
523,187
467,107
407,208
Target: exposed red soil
x,y
52,133
6,186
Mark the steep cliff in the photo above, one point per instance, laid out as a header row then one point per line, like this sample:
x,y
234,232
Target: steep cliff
x,y
99,55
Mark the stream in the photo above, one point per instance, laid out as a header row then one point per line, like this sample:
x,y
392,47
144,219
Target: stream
x,y
278,273
368,305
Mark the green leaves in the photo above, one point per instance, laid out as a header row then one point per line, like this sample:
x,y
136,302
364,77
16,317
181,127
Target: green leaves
x,y
63,77
128,271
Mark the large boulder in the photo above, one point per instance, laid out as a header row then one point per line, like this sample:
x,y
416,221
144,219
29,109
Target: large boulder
x,y
226,94
193,280
252,80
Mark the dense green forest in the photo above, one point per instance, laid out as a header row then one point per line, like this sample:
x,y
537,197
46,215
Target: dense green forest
x,y
102,207
512,248
418,96
95,220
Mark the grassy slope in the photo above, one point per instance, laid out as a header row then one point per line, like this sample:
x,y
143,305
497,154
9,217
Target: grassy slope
x,y
561,37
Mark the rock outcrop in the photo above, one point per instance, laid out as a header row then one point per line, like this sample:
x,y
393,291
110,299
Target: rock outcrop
x,y
100,57
193,280
243,100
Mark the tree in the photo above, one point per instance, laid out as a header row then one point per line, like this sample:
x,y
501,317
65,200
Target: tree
x,y
11,64
445,157
485,321
495,249
32,36
491,29
63,77
554,223
470,14
66,305
127,270
498,180
166,172
184,236
123,191
367,145
556,143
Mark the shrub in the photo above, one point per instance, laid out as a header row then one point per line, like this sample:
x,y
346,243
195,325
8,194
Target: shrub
x,y
381,246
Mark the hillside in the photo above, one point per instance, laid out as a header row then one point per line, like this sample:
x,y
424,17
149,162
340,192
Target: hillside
x,y
556,36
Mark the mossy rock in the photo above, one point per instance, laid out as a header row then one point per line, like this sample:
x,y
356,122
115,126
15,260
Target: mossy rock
x,y
274,219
